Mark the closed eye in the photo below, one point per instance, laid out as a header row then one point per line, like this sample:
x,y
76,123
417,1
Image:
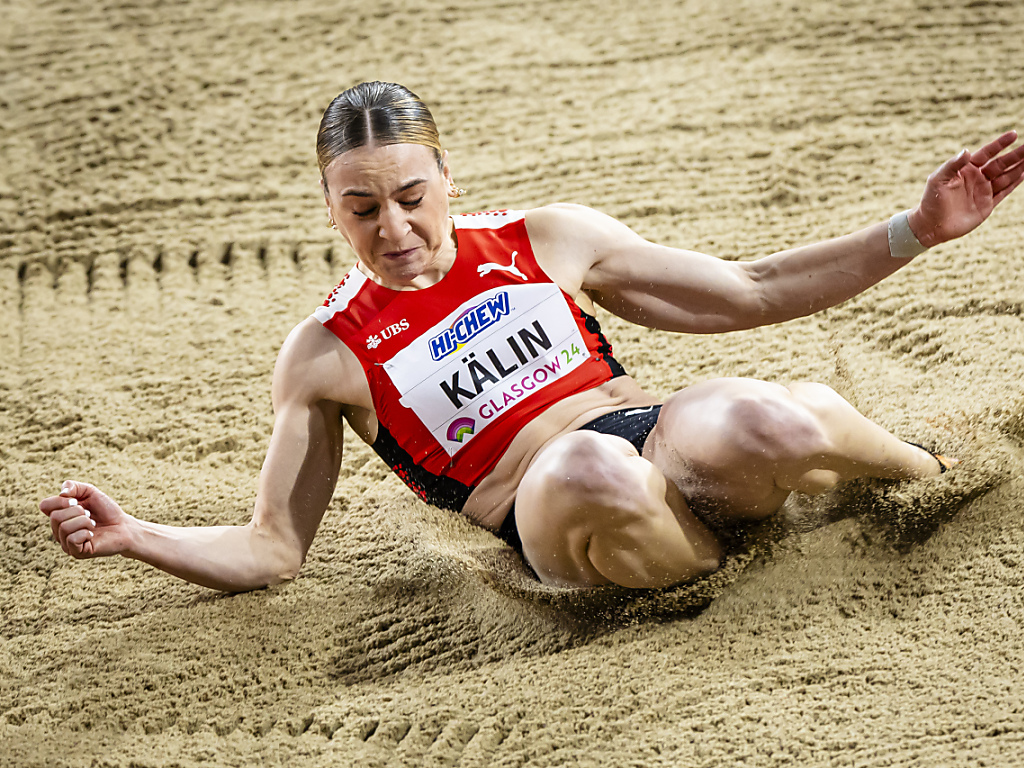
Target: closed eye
x,y
404,203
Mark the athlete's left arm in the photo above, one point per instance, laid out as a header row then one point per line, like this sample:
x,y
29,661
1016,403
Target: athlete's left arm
x,y
681,290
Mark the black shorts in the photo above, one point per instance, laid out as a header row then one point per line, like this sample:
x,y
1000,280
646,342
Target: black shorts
x,y
634,424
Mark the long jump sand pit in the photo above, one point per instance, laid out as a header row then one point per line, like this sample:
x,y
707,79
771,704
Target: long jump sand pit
x,y
161,231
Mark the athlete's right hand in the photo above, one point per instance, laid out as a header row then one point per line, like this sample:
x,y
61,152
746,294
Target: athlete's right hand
x,y
86,522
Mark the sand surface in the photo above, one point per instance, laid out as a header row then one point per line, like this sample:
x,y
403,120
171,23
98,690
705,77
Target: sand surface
x,y
161,231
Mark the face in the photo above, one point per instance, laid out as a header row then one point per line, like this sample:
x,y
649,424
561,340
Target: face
x,y
391,204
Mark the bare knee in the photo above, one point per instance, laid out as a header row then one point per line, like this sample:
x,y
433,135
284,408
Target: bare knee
x,y
579,480
587,467
594,512
776,427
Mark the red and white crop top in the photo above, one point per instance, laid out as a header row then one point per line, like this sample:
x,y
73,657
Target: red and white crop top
x,y
457,369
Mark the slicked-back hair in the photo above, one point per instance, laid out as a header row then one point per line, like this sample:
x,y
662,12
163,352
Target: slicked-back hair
x,y
374,113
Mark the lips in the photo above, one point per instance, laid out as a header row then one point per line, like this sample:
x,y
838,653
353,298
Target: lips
x,y
399,254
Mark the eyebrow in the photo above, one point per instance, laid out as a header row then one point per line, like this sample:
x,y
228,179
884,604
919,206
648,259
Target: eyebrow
x,y
360,193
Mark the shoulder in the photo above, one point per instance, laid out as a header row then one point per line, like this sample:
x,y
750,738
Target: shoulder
x,y
577,232
314,365
544,220
569,240
559,219
495,219
556,219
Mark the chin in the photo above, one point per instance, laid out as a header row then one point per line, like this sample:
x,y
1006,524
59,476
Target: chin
x,y
404,273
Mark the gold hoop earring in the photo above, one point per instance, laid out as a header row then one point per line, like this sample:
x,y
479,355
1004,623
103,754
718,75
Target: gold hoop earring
x,y
330,222
456,191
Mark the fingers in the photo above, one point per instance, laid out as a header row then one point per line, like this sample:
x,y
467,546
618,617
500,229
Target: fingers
x,y
71,522
61,510
85,520
1005,173
69,508
1000,165
53,503
72,526
998,197
78,534
83,492
949,169
993,148
76,489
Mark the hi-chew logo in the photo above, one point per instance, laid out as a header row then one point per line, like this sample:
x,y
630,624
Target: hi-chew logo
x,y
459,429
496,350
468,325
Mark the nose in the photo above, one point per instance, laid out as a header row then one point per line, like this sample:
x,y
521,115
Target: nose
x,y
392,223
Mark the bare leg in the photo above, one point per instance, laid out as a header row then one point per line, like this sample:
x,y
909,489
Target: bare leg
x,y
740,446
591,511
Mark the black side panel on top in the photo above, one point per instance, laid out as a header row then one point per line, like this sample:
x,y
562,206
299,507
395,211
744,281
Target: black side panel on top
x,y
443,492
604,348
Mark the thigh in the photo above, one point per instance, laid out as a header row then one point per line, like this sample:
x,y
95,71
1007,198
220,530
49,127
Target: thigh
x,y
591,511
724,443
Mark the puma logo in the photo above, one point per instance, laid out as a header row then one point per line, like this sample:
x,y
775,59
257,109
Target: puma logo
x,y
483,269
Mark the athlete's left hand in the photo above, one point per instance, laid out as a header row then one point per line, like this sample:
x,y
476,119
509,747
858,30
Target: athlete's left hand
x,y
963,191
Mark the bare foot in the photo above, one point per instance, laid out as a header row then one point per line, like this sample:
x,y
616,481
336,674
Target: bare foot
x,y
946,463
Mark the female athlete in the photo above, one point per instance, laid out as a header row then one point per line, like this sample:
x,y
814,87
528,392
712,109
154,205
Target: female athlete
x,y
465,351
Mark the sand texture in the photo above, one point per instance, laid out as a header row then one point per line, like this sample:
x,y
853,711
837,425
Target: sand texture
x,y
161,231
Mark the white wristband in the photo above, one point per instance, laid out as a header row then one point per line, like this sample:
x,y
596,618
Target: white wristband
x,y
903,244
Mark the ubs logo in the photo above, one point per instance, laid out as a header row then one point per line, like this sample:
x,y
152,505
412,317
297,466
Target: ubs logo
x,y
373,340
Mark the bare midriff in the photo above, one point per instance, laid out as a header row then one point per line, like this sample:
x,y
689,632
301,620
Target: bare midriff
x,y
493,497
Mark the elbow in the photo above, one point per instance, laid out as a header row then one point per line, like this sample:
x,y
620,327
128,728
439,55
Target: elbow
x,y
288,570
279,560
758,302
271,572
747,310
285,565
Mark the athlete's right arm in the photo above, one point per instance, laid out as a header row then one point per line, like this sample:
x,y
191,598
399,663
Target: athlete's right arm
x,y
295,487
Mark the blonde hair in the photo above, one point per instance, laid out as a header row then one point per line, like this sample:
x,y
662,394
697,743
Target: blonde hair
x,y
377,113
